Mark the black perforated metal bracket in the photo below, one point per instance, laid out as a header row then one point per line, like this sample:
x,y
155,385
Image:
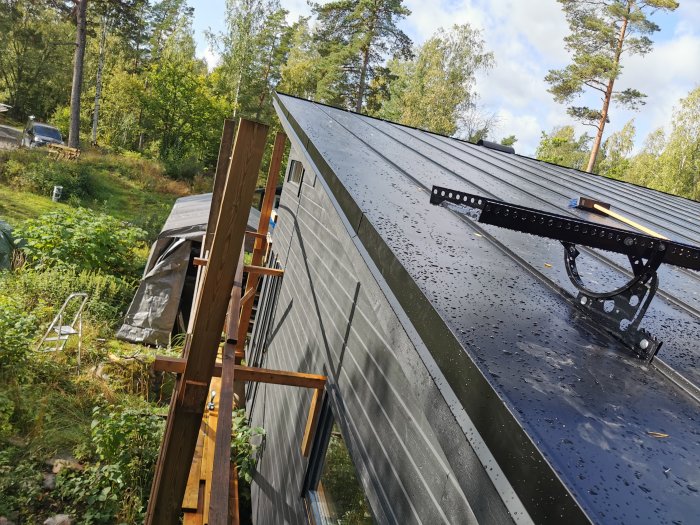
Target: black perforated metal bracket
x,y
619,311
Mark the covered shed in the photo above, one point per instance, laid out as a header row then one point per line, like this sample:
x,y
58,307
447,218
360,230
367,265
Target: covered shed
x,y
163,300
464,385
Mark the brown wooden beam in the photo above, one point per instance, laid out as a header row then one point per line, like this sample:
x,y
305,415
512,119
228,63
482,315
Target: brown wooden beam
x,y
221,475
191,390
248,373
220,175
261,247
312,422
263,270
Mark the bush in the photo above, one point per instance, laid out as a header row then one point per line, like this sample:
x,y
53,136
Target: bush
x,y
81,239
124,444
42,292
33,171
17,328
182,167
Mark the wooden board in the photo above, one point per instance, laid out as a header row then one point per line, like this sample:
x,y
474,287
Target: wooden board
x,y
190,396
218,508
249,373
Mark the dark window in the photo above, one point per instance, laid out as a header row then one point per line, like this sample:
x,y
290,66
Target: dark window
x,y
296,172
334,494
47,131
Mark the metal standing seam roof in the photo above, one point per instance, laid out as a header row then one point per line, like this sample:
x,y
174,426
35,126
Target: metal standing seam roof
x,y
568,415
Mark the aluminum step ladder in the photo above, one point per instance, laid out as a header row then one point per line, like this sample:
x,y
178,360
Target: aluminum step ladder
x,y
65,331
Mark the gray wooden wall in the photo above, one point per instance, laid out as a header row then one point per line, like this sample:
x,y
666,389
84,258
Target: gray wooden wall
x,y
331,317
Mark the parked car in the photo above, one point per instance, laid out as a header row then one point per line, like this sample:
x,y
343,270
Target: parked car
x,y
38,134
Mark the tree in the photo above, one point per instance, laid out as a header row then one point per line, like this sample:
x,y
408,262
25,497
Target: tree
x,y
300,74
510,140
615,160
561,147
602,31
353,37
678,169
181,108
34,58
436,89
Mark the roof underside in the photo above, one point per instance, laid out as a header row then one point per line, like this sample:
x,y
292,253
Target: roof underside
x,y
586,405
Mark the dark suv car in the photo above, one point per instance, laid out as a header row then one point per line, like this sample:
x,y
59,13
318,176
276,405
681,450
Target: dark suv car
x,y
38,134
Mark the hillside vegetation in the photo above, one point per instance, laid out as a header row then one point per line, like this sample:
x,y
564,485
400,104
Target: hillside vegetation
x,y
79,434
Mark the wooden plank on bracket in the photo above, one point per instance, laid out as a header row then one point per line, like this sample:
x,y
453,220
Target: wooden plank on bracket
x,y
219,489
190,395
234,507
312,422
249,373
220,175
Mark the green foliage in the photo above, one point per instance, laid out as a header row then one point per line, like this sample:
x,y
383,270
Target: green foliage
x,y
20,483
616,152
436,89
34,68
41,292
33,171
17,328
81,239
510,140
7,408
563,148
243,450
124,445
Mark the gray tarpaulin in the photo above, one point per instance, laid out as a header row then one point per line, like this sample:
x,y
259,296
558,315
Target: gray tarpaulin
x,y
154,309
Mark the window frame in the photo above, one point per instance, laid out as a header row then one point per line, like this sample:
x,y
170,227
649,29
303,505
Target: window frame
x,y
290,171
317,457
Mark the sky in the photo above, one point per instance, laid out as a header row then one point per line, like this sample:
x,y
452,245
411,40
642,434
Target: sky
x,y
526,37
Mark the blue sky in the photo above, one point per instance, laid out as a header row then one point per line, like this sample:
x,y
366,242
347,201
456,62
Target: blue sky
x,y
526,37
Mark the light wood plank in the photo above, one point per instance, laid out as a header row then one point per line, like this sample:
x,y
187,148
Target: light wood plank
x,y
249,373
312,422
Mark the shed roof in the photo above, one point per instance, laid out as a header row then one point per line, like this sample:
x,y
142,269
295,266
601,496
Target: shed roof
x,y
189,216
563,409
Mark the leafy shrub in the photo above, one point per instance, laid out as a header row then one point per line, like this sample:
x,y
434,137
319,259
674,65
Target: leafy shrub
x,y
7,408
182,167
125,445
243,450
43,291
20,485
17,329
33,171
81,239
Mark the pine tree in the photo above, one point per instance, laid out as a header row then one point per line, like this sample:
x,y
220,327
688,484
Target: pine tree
x,y
561,147
353,38
602,31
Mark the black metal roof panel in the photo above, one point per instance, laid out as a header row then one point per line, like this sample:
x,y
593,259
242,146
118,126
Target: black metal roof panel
x,y
565,411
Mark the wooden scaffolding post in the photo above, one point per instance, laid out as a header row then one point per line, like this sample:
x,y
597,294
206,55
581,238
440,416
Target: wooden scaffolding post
x,y
260,245
221,476
191,391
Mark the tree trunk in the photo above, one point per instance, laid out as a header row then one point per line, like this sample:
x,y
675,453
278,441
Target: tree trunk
x,y
80,39
608,96
363,79
98,81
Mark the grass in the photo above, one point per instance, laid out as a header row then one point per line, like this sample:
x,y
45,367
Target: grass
x,y
128,188
16,206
